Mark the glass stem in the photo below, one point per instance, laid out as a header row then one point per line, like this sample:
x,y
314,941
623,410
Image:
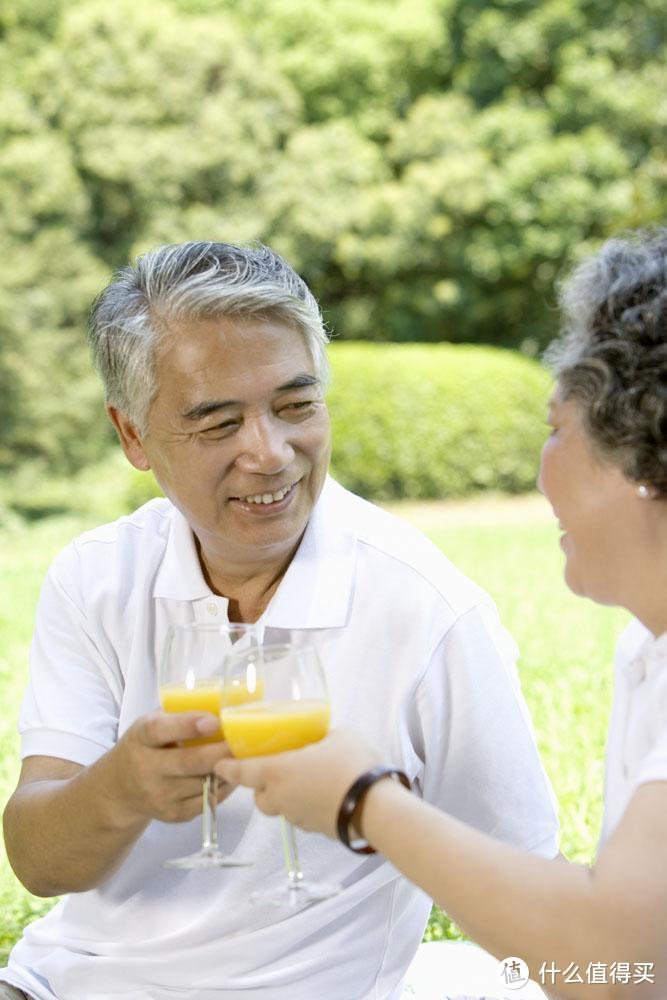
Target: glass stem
x,y
209,826
294,873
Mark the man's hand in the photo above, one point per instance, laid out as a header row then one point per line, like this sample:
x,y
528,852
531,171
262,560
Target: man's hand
x,y
158,777
67,827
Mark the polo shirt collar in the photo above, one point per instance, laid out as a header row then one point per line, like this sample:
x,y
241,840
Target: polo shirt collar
x,y
651,656
316,590
180,577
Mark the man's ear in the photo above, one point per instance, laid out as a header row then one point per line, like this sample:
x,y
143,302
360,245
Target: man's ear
x,y
130,439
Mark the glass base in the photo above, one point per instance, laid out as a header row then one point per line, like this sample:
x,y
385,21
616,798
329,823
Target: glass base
x,y
208,858
295,895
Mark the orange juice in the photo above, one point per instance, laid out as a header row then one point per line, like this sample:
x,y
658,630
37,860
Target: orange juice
x,y
236,694
205,697
271,727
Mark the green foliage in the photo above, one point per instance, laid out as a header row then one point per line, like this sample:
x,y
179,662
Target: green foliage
x,y
100,491
141,487
372,57
435,420
430,166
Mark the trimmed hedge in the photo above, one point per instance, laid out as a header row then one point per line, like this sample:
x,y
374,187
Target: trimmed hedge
x,y
435,420
409,421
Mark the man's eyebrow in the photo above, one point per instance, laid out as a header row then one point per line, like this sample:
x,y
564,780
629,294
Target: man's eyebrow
x,y
299,382
209,406
202,410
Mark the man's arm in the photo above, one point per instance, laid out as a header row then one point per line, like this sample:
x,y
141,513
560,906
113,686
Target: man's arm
x,y
481,759
68,827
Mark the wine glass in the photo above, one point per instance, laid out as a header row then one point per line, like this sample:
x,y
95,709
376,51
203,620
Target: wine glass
x,y
191,679
292,711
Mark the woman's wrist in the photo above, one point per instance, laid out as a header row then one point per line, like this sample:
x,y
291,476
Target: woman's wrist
x,y
350,815
381,800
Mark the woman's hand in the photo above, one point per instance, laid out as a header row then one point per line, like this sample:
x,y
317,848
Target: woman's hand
x,y
306,786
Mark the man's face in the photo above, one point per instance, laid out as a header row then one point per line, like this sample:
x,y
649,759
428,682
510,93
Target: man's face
x,y
238,436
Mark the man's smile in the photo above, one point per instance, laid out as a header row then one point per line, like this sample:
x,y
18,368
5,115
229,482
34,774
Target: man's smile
x,y
267,502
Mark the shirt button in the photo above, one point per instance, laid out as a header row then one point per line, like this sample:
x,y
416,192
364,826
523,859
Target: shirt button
x,y
212,608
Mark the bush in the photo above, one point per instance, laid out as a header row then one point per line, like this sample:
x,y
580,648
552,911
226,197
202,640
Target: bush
x,y
435,420
410,421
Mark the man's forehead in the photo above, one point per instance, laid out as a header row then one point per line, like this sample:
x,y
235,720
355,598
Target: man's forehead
x,y
229,347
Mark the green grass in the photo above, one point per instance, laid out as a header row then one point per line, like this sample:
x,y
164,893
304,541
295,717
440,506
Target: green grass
x,y
510,548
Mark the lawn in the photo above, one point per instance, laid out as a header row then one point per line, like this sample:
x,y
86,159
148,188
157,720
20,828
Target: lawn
x,y
507,545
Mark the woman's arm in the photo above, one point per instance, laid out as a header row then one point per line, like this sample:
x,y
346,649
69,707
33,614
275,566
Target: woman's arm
x,y
511,903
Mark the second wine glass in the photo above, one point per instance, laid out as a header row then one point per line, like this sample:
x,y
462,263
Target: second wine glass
x,y
292,711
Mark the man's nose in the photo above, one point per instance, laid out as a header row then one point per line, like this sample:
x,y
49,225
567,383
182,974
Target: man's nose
x,y
265,448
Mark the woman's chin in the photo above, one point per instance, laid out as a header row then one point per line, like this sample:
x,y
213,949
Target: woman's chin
x,y
573,578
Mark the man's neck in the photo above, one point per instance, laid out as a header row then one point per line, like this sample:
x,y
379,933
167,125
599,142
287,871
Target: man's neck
x,y
248,588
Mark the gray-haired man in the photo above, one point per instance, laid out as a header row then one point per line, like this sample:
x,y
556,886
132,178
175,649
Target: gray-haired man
x,y
214,368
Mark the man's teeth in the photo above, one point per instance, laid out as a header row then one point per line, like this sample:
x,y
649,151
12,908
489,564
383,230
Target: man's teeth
x,y
268,497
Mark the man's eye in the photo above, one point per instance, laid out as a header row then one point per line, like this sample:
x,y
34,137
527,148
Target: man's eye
x,y
219,430
300,406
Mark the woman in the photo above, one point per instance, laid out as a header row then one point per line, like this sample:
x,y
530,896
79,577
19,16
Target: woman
x,y
604,471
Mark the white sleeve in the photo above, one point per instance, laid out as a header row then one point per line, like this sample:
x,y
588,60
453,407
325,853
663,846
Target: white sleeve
x,y
481,761
70,709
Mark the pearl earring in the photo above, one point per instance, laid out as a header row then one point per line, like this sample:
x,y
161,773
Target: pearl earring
x,y
645,492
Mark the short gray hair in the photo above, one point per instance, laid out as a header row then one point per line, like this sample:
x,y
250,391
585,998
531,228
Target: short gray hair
x,y
612,354
191,281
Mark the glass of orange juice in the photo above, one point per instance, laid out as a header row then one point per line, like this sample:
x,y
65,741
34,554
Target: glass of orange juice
x,y
291,712
191,678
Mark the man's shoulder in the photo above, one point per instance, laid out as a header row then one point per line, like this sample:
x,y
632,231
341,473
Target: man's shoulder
x,y
148,521
396,541
133,537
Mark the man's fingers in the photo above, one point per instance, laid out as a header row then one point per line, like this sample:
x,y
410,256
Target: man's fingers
x,y
185,762
159,729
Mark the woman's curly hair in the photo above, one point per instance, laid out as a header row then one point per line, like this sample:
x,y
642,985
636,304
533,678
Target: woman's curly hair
x,y
612,354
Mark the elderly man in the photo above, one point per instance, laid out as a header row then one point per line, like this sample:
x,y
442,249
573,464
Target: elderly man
x,y
213,359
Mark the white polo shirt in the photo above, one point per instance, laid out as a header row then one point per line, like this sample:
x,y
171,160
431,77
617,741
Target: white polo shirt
x,y
637,744
415,658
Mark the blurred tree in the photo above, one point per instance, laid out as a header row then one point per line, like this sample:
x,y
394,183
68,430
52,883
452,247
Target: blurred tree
x,y
430,166
133,125
348,59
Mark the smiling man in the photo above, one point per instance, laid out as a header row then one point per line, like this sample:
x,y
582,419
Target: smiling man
x,y
240,448
214,366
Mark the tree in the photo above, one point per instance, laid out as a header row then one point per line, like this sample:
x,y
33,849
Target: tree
x,y
430,166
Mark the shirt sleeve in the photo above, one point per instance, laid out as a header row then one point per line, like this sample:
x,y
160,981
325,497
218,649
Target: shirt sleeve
x,y
71,706
481,760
